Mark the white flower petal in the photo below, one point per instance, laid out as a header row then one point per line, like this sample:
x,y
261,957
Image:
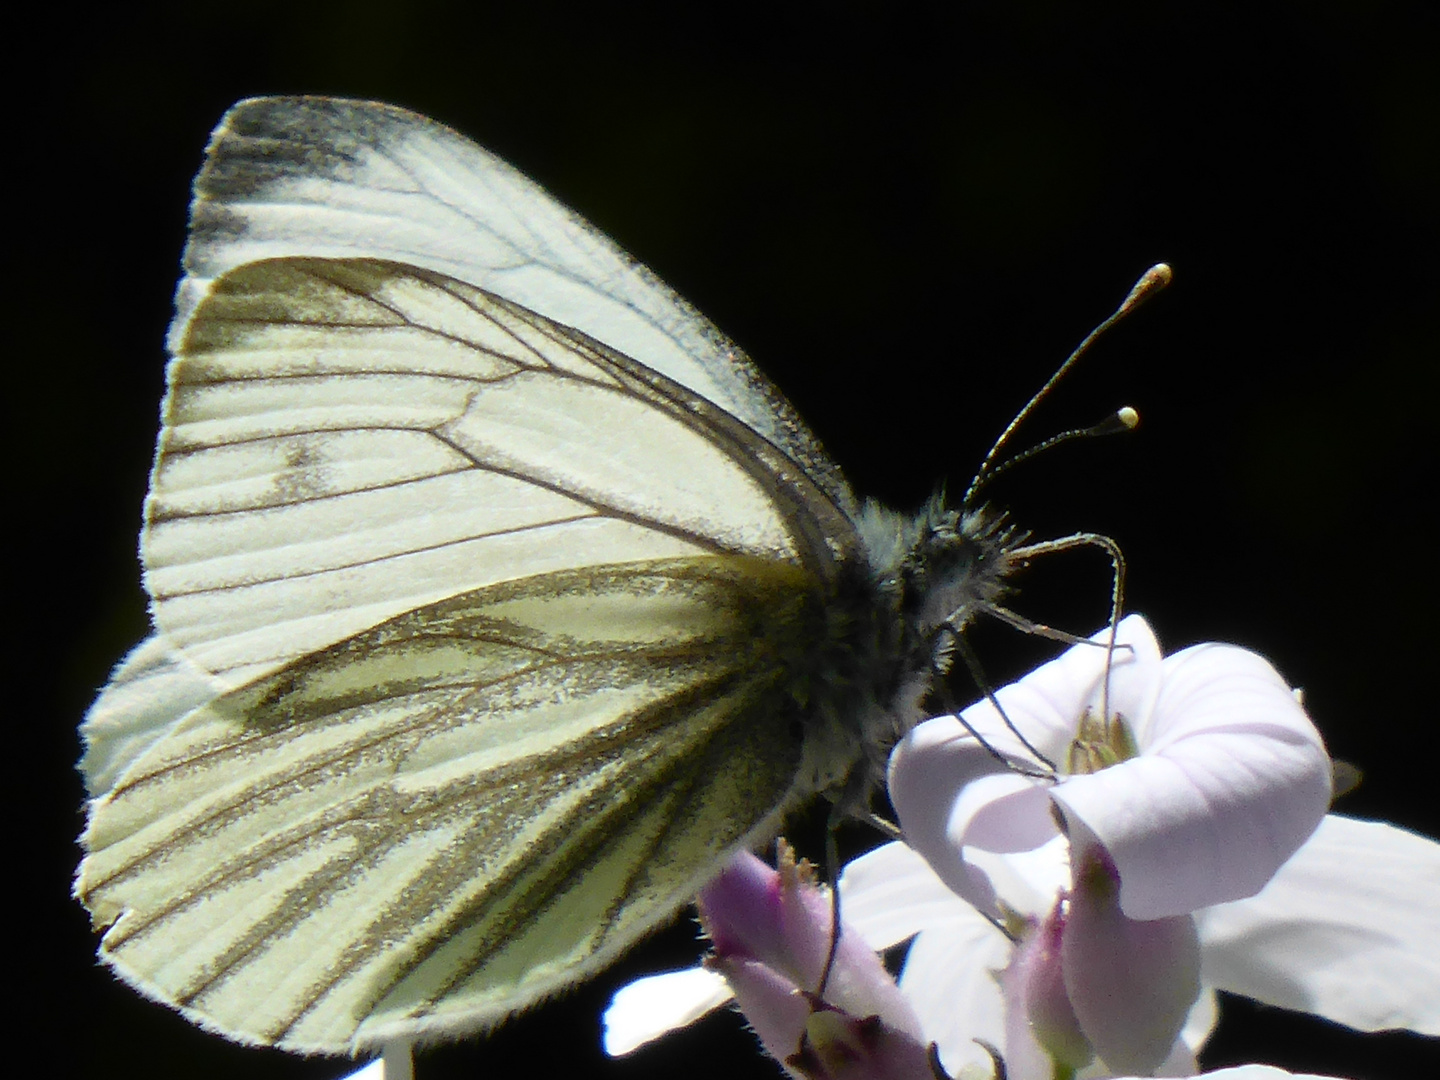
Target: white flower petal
x,y
1004,813
1231,779
1074,682
950,982
929,770
1028,880
1197,695
1046,705
1235,780
890,894
949,792
1348,929
648,1008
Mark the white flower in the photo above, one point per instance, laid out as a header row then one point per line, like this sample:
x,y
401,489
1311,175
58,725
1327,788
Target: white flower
x,y
1136,877
1205,776
1201,780
1348,929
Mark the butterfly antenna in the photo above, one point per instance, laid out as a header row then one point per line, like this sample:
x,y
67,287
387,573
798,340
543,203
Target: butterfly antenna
x,y
1150,283
1117,423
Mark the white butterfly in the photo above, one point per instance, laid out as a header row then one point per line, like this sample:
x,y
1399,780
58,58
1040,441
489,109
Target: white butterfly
x,y
497,597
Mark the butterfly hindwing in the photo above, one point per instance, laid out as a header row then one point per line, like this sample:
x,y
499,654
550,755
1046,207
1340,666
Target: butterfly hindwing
x,y
437,821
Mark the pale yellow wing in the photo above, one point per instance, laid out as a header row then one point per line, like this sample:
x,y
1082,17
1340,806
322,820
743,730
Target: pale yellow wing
x,y
347,440
477,646
329,177
442,819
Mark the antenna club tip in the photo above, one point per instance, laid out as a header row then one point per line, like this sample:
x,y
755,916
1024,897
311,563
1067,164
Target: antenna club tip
x,y
1128,417
1150,283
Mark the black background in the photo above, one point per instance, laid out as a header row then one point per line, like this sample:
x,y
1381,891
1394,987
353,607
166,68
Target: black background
x,y
908,219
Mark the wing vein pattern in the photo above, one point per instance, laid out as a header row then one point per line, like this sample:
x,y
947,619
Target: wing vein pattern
x,y
292,461
491,795
493,593
340,179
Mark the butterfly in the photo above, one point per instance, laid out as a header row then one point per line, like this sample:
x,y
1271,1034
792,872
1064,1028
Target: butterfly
x,y
497,598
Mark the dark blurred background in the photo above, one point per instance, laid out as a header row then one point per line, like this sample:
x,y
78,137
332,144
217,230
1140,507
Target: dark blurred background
x,y
907,219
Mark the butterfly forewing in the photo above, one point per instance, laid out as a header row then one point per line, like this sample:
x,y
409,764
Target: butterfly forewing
x,y
347,440
325,177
